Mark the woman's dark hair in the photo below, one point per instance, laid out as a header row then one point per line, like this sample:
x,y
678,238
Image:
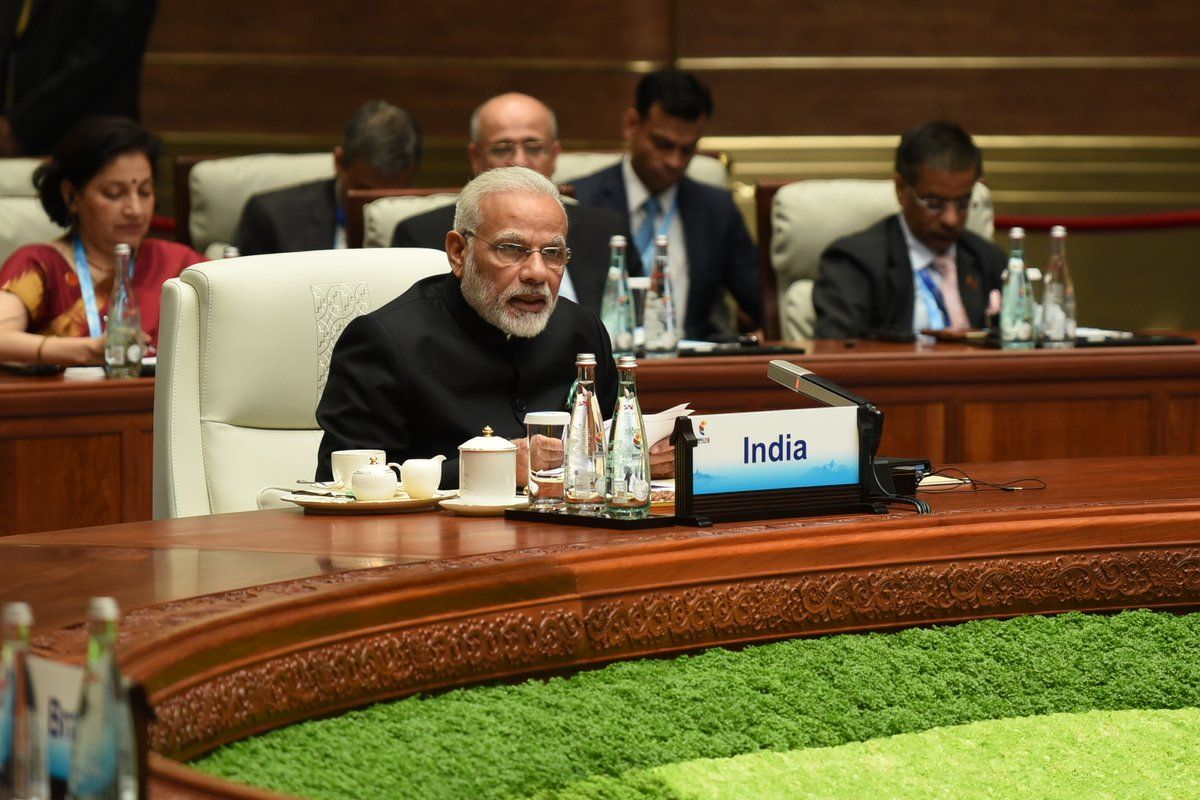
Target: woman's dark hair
x,y
83,152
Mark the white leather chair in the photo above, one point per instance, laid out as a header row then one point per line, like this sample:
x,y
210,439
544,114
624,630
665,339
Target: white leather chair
x,y
243,354
218,188
16,177
573,165
807,216
380,217
23,221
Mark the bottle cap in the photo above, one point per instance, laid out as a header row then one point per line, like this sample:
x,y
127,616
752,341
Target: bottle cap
x,y
230,252
547,418
617,240
660,240
626,362
18,614
103,609
1058,232
585,359
1016,233
123,249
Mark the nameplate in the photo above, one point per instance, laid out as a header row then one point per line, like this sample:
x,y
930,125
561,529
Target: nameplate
x,y
56,688
764,450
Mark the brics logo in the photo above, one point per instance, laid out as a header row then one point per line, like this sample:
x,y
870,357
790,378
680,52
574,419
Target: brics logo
x,y
702,432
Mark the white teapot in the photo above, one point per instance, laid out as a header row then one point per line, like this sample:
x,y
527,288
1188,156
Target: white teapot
x,y
487,469
421,476
375,481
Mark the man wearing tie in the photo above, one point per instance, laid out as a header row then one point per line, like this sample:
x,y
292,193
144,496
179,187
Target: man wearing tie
x,y
919,269
710,248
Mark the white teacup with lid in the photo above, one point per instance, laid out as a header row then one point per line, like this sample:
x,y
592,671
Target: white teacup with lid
x,y
375,481
487,470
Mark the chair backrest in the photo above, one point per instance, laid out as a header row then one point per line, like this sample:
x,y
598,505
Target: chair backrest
x,y
16,177
798,220
373,214
244,351
708,166
23,221
211,191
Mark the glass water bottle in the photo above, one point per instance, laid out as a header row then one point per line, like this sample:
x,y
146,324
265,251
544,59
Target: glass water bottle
x,y
123,331
23,773
1016,303
1057,328
661,337
583,477
628,484
104,758
616,307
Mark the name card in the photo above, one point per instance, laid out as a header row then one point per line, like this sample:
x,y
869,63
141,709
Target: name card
x,y
56,687
789,449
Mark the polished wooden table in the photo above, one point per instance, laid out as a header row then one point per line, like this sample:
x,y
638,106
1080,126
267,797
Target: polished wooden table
x,y
78,453
238,623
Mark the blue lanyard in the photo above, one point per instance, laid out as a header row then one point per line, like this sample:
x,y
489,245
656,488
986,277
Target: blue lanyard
x,y
932,292
87,289
648,253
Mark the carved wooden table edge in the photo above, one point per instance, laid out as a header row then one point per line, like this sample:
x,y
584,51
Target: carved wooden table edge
x,y
241,672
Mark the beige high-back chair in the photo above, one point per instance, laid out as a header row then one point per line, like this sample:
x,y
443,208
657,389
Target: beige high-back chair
x,y
373,214
210,192
243,354
707,167
16,177
798,220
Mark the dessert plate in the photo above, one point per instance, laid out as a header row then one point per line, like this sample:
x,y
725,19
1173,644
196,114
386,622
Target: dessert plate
x,y
459,506
320,504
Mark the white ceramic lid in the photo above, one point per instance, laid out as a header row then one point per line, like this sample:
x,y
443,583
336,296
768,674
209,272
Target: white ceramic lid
x,y
547,418
487,443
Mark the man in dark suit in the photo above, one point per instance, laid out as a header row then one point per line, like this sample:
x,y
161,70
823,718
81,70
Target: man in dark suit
x,y
920,269
710,248
479,346
64,60
518,130
380,149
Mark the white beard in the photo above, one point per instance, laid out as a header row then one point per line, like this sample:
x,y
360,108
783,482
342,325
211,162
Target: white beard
x,y
480,294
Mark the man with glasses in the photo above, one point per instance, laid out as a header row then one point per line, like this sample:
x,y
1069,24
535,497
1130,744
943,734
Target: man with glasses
x,y
518,130
478,347
920,269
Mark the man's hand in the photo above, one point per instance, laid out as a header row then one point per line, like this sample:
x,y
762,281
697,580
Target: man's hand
x,y
662,459
546,453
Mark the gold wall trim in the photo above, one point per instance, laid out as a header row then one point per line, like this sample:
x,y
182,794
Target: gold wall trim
x,y
984,141
329,61
737,63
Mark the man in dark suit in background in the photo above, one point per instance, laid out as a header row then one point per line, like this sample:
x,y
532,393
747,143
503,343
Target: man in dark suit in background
x,y
518,130
920,269
710,248
64,60
380,149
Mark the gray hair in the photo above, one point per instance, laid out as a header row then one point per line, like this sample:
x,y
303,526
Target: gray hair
x,y
502,180
383,135
476,124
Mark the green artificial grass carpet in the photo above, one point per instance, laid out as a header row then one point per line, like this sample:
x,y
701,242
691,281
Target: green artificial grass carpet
x,y
1098,754
624,720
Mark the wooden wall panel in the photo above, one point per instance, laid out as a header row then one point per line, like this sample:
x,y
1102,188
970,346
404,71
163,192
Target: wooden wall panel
x,y
709,28
1030,429
285,99
536,30
81,482
1146,102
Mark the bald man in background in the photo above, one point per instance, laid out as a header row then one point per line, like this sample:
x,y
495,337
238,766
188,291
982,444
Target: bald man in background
x,y
518,130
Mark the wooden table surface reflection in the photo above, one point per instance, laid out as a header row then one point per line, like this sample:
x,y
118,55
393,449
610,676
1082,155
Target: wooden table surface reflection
x,y
241,556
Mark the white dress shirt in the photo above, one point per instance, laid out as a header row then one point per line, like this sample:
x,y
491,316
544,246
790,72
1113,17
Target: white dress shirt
x,y
637,194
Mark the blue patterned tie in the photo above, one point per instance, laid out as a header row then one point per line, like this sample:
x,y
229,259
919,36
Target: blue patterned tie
x,y
645,233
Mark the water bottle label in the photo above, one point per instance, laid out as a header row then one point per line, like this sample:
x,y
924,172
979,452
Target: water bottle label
x,y
133,353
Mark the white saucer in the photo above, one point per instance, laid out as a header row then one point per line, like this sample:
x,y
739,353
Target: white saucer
x,y
459,506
